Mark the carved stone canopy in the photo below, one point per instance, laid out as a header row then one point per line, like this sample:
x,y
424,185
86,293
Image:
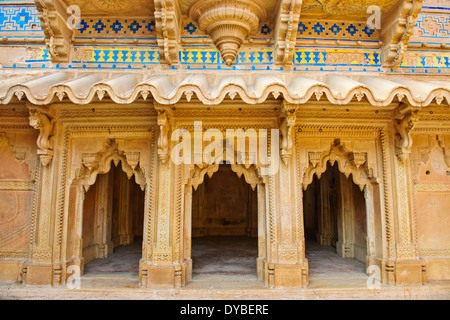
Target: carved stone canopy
x,y
228,23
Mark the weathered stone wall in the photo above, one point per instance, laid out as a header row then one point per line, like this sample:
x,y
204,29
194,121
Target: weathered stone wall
x,y
431,183
17,183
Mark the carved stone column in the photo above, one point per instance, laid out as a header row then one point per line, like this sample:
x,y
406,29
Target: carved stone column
x,y
125,234
345,244
40,268
162,268
286,265
104,216
408,268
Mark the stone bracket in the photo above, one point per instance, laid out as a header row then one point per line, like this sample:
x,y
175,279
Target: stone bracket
x,y
397,30
58,36
404,124
286,22
44,123
163,121
288,120
167,22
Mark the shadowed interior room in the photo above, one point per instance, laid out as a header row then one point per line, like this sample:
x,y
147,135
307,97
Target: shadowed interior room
x,y
335,224
113,218
224,227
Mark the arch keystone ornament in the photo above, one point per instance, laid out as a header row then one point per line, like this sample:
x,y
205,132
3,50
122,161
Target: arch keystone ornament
x,y
228,23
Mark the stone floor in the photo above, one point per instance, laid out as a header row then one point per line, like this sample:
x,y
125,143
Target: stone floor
x,y
225,268
224,258
325,263
228,258
125,259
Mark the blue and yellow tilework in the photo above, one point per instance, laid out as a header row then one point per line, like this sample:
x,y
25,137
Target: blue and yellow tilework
x,y
134,57
305,59
212,57
19,20
337,57
426,62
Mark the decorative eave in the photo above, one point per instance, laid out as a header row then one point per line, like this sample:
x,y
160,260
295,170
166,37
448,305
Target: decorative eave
x,y
169,90
286,28
167,21
397,28
58,36
228,23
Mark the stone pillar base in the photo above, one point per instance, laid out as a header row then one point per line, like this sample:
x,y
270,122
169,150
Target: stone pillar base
x,y
401,272
410,273
38,274
11,270
285,275
164,276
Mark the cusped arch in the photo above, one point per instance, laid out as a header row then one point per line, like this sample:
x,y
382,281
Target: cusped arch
x,y
197,172
349,163
101,162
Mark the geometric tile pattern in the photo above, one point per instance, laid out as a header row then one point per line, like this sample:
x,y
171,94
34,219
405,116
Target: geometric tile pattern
x,y
337,57
19,18
115,27
432,26
420,59
313,29
332,60
120,55
212,56
23,18
190,28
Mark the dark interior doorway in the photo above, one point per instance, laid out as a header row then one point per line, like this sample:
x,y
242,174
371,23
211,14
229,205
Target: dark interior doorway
x,y
335,226
113,218
224,228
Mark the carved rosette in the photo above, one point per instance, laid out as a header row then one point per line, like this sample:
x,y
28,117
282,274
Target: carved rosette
x,y
228,23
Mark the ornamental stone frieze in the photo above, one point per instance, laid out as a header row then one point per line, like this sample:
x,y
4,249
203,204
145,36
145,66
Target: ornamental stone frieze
x,y
228,23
